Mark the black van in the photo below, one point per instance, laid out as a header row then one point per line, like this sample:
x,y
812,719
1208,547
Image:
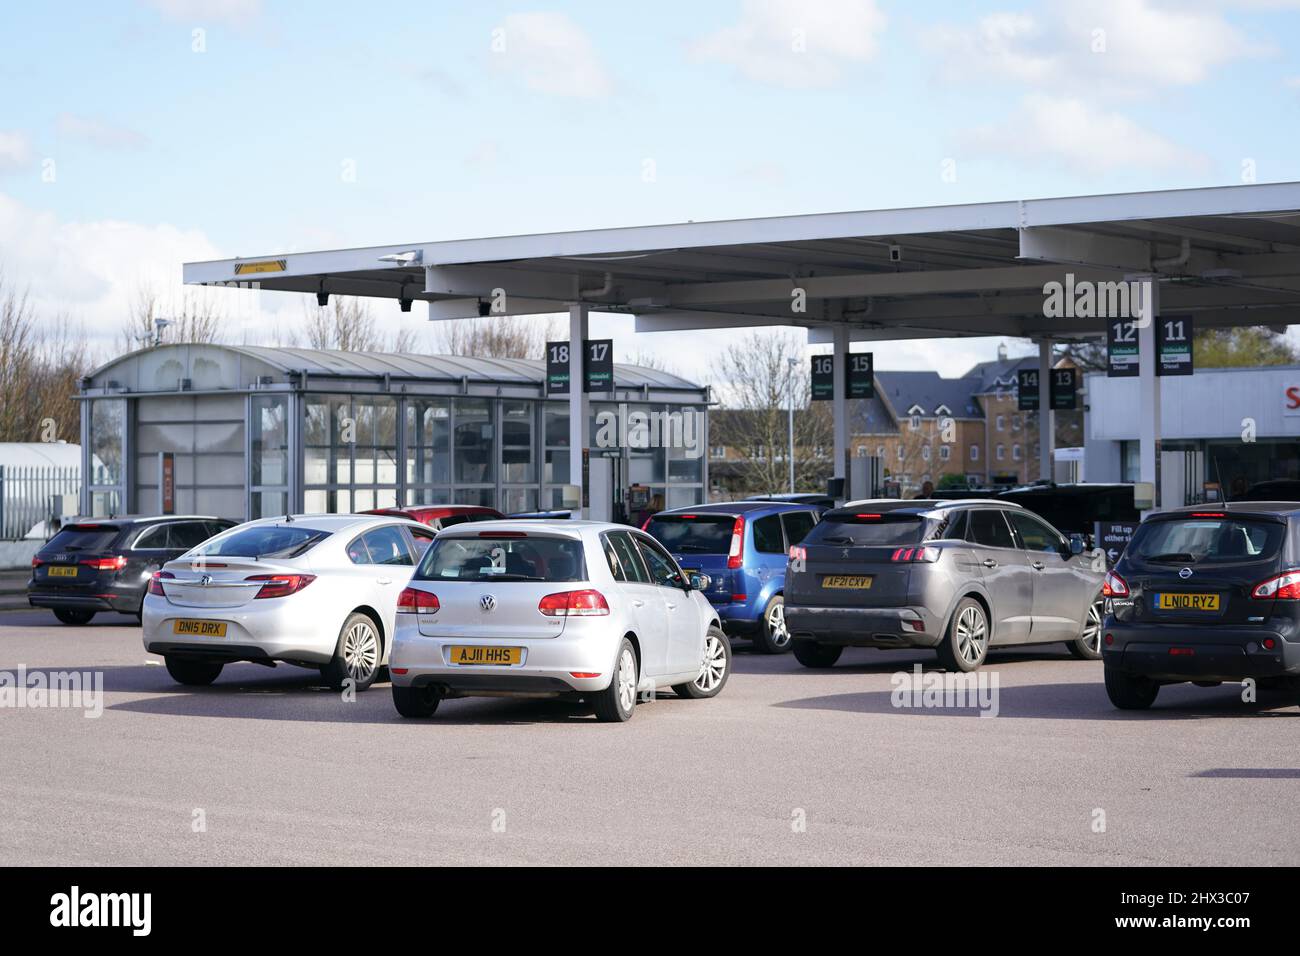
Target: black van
x,y
104,564
1207,594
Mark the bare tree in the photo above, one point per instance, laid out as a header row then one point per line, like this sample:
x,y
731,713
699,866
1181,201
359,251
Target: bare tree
x,y
194,318
40,365
760,383
496,336
345,323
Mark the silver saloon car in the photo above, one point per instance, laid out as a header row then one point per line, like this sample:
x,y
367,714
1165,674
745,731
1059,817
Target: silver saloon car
x,y
318,591
957,576
544,608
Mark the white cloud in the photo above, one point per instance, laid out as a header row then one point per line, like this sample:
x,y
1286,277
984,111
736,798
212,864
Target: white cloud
x,y
552,54
198,11
99,132
1082,138
15,151
794,43
1115,44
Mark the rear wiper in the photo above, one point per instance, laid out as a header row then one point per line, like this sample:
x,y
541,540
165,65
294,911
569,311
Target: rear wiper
x,y
697,548
838,539
510,577
1183,557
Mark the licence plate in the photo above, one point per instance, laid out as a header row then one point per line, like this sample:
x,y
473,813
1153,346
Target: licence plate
x,y
1165,601
200,628
62,572
851,581
486,656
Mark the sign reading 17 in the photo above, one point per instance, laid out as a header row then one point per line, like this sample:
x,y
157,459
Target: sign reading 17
x,y
596,351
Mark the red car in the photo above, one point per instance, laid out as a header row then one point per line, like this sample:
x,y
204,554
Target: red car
x,y
438,517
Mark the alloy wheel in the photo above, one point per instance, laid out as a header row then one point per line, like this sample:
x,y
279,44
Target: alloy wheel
x,y
1091,636
715,664
626,678
780,634
360,651
972,635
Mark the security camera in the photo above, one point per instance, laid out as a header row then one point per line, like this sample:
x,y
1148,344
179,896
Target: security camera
x,y
322,299
405,304
895,253
484,309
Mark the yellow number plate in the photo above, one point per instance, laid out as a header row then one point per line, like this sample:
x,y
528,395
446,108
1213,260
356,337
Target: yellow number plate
x,y
856,581
200,628
60,572
1187,602
490,656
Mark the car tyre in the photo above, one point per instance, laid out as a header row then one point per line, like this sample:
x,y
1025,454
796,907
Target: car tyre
x,y
1087,647
356,655
73,615
814,655
416,702
192,671
1130,691
615,703
966,642
713,672
773,636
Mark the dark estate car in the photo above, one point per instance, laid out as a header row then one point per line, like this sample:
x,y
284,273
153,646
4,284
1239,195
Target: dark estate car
x,y
956,576
1205,594
104,564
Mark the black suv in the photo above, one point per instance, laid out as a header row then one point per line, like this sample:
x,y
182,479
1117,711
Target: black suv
x,y
1207,594
104,564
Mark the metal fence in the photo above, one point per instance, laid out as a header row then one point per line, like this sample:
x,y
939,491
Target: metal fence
x,y
32,495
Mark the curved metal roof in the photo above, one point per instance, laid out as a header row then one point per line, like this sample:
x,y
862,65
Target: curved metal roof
x,y
336,363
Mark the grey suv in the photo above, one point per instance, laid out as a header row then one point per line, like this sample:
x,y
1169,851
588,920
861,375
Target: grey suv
x,y
958,576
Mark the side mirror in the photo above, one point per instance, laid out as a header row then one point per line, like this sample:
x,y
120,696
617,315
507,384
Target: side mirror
x,y
1076,543
699,582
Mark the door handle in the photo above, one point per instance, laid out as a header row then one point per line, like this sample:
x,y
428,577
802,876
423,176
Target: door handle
x,y
383,580
671,605
1038,565
638,603
990,563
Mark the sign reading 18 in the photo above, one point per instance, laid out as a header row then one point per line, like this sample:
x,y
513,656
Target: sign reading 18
x,y
560,354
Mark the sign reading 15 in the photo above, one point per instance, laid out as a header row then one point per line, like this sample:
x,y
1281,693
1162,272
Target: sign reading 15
x,y
859,362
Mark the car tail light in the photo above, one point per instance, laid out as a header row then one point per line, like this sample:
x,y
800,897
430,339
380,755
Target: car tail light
x,y
1114,586
36,562
646,524
280,585
106,564
155,582
587,602
868,517
798,553
584,675
735,554
926,554
415,601
1282,587
1269,643
1208,514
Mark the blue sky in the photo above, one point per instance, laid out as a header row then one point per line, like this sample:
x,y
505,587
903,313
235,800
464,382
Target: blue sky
x,y
180,129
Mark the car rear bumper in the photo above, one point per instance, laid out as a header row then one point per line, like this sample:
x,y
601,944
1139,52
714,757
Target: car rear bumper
x,y
863,626
91,598
1182,653
284,630
547,668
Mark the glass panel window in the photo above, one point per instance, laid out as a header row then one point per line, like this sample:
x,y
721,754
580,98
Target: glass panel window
x,y
270,440
487,497
767,535
107,426
428,441
518,499
387,545
518,461
475,442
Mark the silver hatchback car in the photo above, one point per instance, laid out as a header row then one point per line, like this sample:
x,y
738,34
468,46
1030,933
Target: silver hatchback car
x,y
542,608
957,576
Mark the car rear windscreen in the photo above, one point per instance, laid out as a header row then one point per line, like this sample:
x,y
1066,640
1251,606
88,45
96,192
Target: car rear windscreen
x,y
503,558
1207,539
85,537
265,541
867,529
693,534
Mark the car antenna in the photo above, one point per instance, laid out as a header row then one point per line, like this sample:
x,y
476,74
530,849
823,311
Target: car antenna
x,y
288,519
1223,489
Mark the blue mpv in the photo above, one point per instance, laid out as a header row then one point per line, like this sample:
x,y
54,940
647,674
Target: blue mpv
x,y
742,546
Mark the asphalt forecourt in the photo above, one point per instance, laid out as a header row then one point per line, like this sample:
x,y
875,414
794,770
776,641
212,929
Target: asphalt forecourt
x,y
868,763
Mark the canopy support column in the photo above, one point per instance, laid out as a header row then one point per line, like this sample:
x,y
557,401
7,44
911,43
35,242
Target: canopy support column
x,y
579,404
840,403
1149,389
1046,417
